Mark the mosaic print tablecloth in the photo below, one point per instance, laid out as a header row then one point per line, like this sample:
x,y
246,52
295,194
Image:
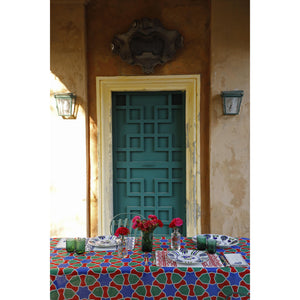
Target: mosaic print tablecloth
x,y
102,275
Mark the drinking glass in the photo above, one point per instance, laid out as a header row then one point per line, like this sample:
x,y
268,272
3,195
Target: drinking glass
x,y
70,245
80,245
211,245
201,242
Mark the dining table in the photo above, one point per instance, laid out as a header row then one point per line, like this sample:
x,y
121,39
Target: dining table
x,y
102,274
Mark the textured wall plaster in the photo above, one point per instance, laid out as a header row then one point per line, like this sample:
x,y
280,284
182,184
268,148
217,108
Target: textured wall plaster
x,y
230,136
191,19
68,137
224,140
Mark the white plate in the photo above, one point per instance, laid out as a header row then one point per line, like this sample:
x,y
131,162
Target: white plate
x,y
187,256
223,241
103,241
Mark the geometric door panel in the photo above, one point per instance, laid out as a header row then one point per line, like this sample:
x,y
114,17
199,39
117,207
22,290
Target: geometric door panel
x,y
149,155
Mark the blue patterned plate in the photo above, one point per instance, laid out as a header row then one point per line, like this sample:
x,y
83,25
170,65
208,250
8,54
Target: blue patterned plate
x,y
187,256
223,241
103,241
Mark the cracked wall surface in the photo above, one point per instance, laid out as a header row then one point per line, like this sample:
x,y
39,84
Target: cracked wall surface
x,y
216,46
230,135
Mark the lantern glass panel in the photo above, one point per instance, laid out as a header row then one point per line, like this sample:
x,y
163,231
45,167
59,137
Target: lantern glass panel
x,y
65,106
232,105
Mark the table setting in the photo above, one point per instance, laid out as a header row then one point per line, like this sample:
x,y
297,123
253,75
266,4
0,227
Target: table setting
x,y
164,268
98,243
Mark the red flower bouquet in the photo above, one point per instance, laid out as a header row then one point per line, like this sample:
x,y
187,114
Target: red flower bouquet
x,y
176,222
146,225
122,231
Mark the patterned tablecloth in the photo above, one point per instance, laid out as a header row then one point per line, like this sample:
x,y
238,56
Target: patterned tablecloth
x,y
103,275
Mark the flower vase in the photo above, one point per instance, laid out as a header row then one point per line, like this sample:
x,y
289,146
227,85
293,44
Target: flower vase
x,y
122,247
147,241
175,239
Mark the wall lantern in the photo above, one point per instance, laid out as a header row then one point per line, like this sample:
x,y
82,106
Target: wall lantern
x,y
65,104
232,102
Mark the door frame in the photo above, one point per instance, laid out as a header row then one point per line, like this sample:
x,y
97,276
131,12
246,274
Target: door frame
x,y
104,88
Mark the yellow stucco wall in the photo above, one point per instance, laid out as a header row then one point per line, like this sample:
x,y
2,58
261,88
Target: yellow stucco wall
x,y
68,137
189,17
230,135
216,46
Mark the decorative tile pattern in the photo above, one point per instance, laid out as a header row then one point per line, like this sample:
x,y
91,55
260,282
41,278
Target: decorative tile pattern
x,y
102,275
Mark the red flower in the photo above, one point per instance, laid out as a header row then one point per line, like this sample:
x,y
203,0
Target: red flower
x,y
153,217
146,225
122,231
135,221
176,222
136,218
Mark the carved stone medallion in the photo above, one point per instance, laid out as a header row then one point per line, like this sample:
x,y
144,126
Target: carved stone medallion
x,y
147,44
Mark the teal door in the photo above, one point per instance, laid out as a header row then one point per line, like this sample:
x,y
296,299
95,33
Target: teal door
x,y
149,155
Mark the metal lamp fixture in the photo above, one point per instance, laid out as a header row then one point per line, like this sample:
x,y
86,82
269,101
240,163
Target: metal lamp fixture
x,y
65,104
232,102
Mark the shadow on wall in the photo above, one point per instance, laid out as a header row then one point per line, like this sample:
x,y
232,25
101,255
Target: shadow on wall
x,y
218,108
58,87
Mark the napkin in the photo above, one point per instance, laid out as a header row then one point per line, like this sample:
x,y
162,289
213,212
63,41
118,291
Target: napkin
x,y
61,244
236,260
162,260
